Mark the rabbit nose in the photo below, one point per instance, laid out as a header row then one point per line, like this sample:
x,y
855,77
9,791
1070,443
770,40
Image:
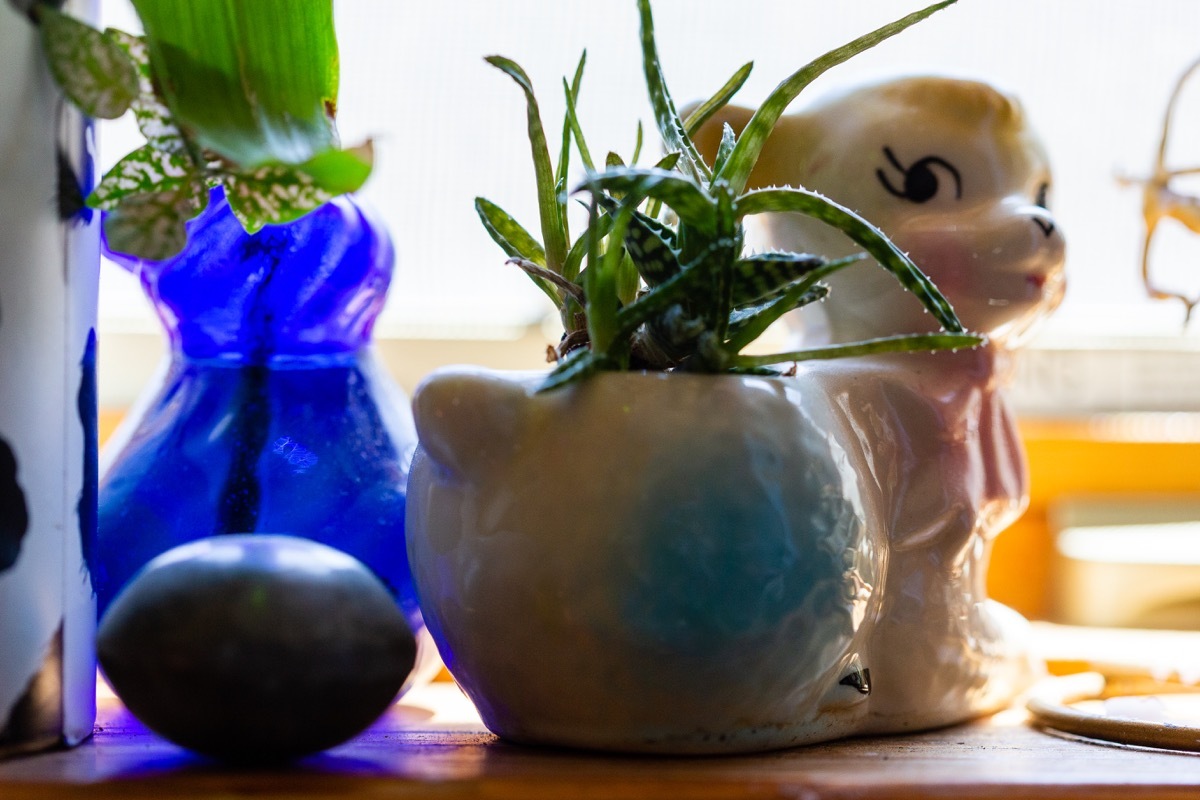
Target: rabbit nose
x,y
1046,225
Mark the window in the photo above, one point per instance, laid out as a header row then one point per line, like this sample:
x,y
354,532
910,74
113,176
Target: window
x,y
449,128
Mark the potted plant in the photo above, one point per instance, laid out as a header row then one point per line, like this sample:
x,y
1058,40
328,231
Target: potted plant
x,y
271,415
663,545
238,114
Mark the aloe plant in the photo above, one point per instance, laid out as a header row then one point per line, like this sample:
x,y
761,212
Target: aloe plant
x,y
660,279
227,93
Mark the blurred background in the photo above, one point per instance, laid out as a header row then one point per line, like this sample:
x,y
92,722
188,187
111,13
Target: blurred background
x,y
1109,392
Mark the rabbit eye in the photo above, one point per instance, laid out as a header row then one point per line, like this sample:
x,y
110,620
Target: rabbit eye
x,y
920,182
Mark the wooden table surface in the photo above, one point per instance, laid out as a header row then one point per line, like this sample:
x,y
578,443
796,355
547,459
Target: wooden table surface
x,y
433,745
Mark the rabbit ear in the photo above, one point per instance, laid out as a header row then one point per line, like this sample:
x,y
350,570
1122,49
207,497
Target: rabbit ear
x,y
468,419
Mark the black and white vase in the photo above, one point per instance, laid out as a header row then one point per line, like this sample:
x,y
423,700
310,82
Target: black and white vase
x,y
48,279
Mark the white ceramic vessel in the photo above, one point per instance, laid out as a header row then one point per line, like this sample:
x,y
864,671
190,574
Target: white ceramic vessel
x,y
647,562
682,563
952,172
48,279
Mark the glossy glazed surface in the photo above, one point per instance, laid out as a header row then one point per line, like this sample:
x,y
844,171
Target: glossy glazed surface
x,y
646,562
952,172
48,279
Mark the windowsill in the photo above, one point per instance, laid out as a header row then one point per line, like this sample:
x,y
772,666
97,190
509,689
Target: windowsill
x,y
434,744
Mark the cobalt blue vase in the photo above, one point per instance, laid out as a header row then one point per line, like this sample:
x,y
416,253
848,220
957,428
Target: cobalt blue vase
x,y
272,415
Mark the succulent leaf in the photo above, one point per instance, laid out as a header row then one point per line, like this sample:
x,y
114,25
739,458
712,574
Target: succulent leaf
x,y
703,112
750,143
690,202
670,126
864,234
764,275
508,233
554,235
747,324
905,343
571,90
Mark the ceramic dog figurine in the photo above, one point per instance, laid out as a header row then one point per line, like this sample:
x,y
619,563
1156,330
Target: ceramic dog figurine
x,y
949,170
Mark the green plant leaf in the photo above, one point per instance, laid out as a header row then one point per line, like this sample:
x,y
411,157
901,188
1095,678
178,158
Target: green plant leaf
x,y
146,170
153,226
91,68
255,82
725,149
750,144
572,121
272,195
863,234
341,171
154,119
764,275
554,234
703,112
908,343
600,283
683,195
578,364
505,231
670,126
651,245
580,249
549,282
748,324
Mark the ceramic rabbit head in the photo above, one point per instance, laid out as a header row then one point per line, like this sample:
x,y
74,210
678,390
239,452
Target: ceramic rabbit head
x,y
950,171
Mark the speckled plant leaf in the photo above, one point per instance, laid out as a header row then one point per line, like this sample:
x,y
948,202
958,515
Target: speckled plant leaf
x,y
862,233
764,275
505,231
92,69
145,171
154,119
670,126
272,195
153,226
684,196
554,235
279,193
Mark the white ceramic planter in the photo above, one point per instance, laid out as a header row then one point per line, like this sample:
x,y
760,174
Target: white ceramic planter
x,y
48,274
646,562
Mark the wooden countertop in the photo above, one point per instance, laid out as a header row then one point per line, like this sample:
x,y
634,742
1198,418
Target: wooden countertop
x,y
432,745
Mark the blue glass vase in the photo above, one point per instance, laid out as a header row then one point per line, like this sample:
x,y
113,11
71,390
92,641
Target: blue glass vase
x,y
272,414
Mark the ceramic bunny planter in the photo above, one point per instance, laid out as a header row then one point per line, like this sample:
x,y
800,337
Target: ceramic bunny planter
x,y
949,170
697,564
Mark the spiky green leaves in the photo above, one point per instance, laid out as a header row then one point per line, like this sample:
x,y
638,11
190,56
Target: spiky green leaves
x,y
704,301
227,94
749,146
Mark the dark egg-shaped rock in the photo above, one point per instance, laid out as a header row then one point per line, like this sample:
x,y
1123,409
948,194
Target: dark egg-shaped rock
x,y
255,648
